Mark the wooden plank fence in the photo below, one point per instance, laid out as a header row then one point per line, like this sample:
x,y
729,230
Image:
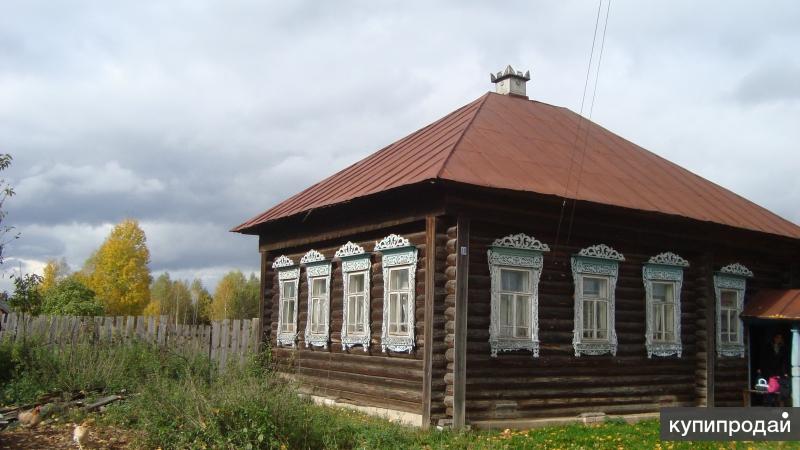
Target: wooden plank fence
x,y
223,341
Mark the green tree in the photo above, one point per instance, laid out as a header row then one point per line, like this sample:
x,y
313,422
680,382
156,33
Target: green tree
x,y
235,297
70,297
6,191
26,297
117,272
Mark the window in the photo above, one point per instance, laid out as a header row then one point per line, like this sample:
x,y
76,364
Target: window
x,y
355,306
595,309
515,299
289,306
319,293
399,306
288,277
318,275
515,264
594,271
663,311
729,317
730,284
399,260
663,277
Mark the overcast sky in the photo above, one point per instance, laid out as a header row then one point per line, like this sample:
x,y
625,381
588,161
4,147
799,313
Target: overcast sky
x,y
193,116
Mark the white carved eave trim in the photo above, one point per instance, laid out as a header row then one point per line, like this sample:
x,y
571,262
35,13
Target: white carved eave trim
x,y
602,251
349,249
391,241
669,259
282,261
312,256
521,241
737,269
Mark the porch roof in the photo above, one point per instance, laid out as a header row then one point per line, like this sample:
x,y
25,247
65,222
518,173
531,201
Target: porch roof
x,y
774,304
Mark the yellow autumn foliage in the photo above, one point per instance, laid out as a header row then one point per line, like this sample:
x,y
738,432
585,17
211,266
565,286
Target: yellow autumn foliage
x,y
117,272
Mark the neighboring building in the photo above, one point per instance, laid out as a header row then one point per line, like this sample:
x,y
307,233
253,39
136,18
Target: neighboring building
x,y
513,261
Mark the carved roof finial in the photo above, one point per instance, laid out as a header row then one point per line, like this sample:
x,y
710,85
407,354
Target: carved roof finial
x,y
312,256
737,269
282,261
602,251
521,241
669,259
349,249
391,241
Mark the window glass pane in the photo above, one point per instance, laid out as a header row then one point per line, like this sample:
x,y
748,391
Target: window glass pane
x,y
355,283
403,308
724,325
734,325
522,312
594,287
728,299
318,286
514,280
669,318
288,289
352,310
398,279
602,315
663,292
506,310
393,299
588,319
658,320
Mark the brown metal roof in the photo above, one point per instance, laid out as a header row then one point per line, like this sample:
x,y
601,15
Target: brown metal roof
x,y
780,304
507,142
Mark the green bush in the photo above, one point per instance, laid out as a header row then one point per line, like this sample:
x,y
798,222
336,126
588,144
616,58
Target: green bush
x,y
70,297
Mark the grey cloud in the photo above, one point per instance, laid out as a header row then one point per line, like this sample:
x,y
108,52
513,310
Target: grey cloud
x,y
194,117
775,83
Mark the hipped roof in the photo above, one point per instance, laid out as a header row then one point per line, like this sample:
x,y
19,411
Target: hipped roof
x,y
500,141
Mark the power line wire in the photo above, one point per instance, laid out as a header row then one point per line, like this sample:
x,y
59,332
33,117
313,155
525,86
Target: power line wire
x,y
580,120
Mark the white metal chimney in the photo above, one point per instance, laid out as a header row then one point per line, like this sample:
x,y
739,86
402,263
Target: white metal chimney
x,y
511,82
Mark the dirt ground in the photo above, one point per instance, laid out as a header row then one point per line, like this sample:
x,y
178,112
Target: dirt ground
x,y
58,435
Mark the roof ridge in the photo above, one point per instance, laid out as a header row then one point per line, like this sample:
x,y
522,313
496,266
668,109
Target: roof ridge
x,y
461,136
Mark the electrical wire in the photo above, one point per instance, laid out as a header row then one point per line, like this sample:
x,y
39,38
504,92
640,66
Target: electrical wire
x,y
581,153
591,111
580,120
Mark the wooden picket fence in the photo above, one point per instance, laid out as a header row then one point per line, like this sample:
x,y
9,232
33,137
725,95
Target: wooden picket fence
x,y
223,341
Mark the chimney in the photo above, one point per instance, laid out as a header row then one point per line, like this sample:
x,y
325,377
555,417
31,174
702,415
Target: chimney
x,y
510,82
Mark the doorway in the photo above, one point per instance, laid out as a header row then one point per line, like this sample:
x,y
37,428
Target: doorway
x,y
769,356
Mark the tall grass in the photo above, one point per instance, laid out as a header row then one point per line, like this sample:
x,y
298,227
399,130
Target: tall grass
x,y
187,403
175,402
30,369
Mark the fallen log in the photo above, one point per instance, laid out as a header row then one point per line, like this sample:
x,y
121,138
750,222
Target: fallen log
x,y
102,402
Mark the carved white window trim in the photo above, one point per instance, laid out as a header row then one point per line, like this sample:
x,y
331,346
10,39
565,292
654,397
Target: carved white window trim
x,y
515,252
598,261
318,268
663,268
287,272
355,261
732,277
398,253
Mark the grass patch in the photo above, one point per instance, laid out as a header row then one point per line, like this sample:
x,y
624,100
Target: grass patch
x,y
175,402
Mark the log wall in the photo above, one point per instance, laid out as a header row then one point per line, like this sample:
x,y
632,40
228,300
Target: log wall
x,y
373,378
515,385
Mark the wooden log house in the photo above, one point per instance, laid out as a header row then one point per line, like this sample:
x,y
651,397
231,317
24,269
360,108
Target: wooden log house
x,y
514,262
